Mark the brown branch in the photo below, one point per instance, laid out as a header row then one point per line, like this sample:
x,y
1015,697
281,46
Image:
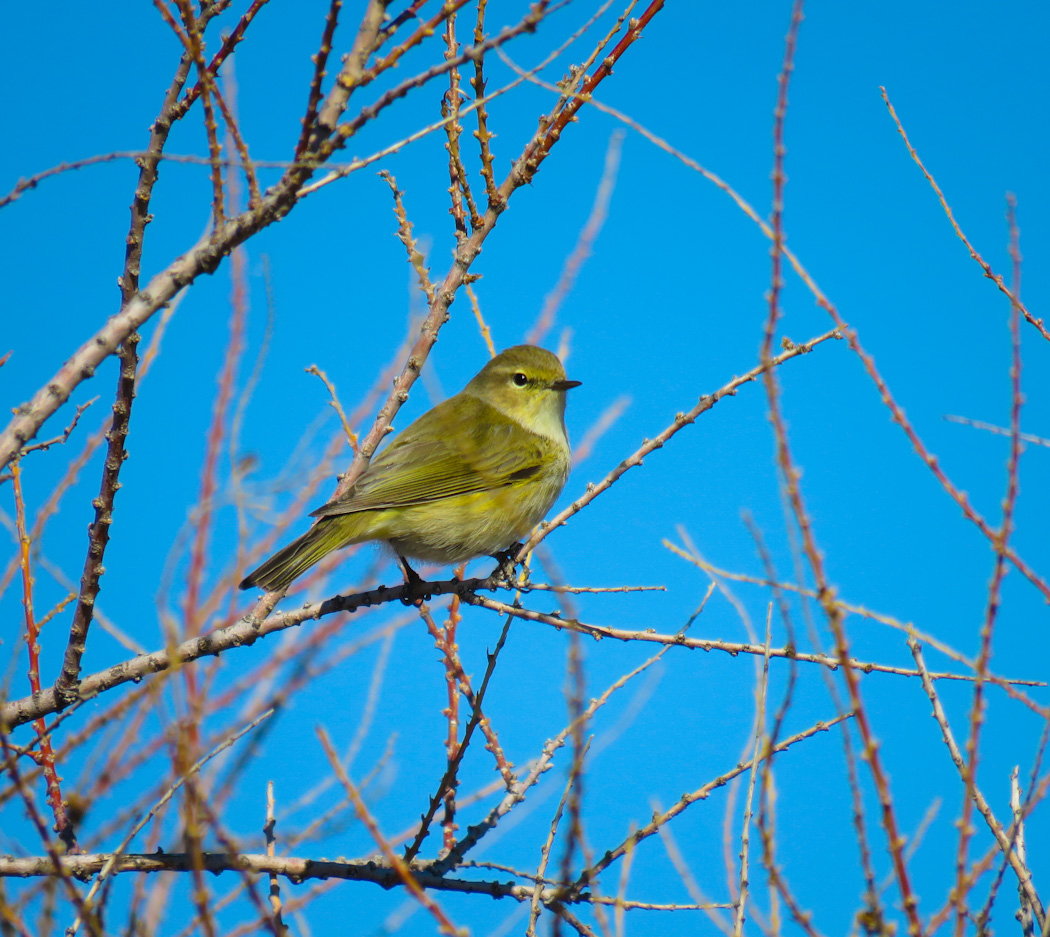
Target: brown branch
x,y
477,717
351,73
183,158
404,235
486,332
271,841
790,480
459,189
191,35
401,869
483,135
229,44
545,849
681,420
351,436
788,652
98,531
451,661
740,913
995,587
320,60
1024,877
516,794
907,627
996,278
233,130
213,450
296,870
701,793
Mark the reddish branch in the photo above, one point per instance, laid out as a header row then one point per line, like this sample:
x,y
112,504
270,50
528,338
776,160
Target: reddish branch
x,y
995,587
573,105
205,256
659,819
228,45
996,278
46,756
791,475
320,60
522,173
680,421
477,718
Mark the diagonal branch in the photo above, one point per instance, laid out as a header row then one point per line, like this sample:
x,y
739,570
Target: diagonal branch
x,y
996,278
205,256
681,420
98,532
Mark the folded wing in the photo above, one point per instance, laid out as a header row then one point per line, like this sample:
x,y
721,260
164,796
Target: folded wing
x,y
443,456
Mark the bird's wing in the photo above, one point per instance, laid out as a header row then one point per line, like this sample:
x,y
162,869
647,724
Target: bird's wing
x,y
477,449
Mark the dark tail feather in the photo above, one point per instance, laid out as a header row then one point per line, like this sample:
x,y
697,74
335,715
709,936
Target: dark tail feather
x,y
295,559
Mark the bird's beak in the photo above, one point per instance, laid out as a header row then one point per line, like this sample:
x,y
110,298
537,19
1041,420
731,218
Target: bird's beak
x,y
565,385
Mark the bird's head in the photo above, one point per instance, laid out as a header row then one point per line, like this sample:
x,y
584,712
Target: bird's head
x,y
528,384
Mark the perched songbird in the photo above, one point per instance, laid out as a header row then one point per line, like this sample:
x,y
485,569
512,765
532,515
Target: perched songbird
x,y
468,478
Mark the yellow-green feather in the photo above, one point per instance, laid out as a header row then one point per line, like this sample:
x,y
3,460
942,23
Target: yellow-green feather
x,y
468,478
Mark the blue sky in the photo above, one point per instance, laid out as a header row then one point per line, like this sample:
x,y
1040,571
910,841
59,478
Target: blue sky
x,y
670,306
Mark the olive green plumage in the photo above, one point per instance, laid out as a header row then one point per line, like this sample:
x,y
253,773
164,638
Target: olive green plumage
x,y
468,478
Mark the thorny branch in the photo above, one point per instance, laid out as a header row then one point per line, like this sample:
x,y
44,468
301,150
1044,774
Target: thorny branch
x,y
323,135
254,626
206,255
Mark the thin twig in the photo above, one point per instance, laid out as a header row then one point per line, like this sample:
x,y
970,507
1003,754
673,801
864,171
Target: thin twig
x,y
1024,877
1011,295
271,841
351,436
545,849
404,234
681,420
400,867
998,430
63,437
759,750
700,793
995,586
46,757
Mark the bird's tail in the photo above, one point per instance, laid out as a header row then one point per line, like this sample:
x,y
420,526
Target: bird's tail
x,y
296,558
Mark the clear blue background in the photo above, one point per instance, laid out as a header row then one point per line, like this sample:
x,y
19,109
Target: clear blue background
x,y
670,306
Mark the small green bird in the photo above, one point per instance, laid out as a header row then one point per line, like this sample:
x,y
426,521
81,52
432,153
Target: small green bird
x,y
468,478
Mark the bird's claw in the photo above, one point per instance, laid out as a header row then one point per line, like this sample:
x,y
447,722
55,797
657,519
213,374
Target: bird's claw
x,y
414,583
507,569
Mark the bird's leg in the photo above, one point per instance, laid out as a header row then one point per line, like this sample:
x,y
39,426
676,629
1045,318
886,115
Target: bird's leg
x,y
413,581
507,566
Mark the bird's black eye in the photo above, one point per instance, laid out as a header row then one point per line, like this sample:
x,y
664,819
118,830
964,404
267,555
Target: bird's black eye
x,y
520,380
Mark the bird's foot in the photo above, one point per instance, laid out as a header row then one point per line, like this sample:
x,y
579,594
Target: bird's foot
x,y
506,571
414,584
